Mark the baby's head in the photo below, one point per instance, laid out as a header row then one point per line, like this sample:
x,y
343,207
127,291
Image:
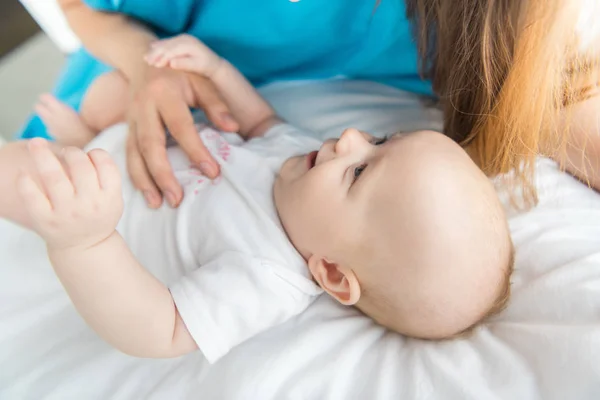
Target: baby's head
x,y
407,229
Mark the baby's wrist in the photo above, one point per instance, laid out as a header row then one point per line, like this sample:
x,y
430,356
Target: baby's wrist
x,y
263,126
65,248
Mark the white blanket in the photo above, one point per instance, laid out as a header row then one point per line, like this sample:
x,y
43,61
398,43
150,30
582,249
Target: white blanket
x,y
546,345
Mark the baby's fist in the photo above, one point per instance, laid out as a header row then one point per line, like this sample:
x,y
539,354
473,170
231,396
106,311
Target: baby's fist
x,y
185,53
75,200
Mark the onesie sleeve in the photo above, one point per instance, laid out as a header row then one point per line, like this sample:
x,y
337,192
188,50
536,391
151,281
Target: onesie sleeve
x,y
237,296
166,17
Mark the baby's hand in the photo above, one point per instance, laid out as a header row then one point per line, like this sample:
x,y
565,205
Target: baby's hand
x,y
77,206
185,53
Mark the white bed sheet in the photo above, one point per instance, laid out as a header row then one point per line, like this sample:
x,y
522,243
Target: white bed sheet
x,y
546,345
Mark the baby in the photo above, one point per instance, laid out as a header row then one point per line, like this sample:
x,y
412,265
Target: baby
x,y
405,228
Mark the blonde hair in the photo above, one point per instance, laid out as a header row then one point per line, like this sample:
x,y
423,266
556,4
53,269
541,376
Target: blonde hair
x,y
503,71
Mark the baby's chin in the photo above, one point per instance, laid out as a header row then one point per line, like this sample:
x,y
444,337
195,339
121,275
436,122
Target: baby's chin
x,y
291,169
281,186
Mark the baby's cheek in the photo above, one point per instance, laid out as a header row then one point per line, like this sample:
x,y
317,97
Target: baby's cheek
x,y
323,212
314,200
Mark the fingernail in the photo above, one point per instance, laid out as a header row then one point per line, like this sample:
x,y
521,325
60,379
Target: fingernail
x,y
207,169
151,199
171,199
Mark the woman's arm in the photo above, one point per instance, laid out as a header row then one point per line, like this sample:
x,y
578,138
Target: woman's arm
x,y
112,38
582,157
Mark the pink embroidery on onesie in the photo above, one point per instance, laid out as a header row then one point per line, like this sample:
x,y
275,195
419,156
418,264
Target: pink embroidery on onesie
x,y
221,147
214,140
224,150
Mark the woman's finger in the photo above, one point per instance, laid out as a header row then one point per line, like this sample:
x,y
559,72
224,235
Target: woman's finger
x,y
140,177
210,101
180,123
151,142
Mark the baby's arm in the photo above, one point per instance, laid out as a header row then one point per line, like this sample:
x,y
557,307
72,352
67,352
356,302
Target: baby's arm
x,y
187,53
76,209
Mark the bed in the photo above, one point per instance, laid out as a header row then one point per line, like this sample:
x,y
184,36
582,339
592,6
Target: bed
x,y
546,345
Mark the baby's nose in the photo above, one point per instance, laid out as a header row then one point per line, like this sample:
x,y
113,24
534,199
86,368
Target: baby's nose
x,y
350,140
326,152
350,133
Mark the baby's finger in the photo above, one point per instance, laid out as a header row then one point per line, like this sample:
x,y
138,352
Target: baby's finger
x,y
55,182
181,49
179,46
165,43
107,171
183,64
82,172
154,56
162,62
36,203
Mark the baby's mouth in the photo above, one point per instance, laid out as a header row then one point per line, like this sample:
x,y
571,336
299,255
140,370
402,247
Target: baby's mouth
x,y
311,158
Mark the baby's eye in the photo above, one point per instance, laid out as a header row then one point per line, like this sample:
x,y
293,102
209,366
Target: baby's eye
x,y
380,141
358,170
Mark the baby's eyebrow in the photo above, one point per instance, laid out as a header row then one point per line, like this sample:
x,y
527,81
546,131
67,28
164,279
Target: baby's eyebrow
x,y
390,136
397,133
367,172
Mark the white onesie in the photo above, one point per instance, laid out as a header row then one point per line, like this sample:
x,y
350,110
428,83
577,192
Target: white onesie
x,y
230,267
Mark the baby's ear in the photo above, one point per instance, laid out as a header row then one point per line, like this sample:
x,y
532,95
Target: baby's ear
x,y
341,283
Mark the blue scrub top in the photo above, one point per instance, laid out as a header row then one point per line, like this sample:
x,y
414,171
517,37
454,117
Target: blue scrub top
x,y
271,40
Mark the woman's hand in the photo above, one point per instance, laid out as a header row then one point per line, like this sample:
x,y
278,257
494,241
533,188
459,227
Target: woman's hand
x,y
161,99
